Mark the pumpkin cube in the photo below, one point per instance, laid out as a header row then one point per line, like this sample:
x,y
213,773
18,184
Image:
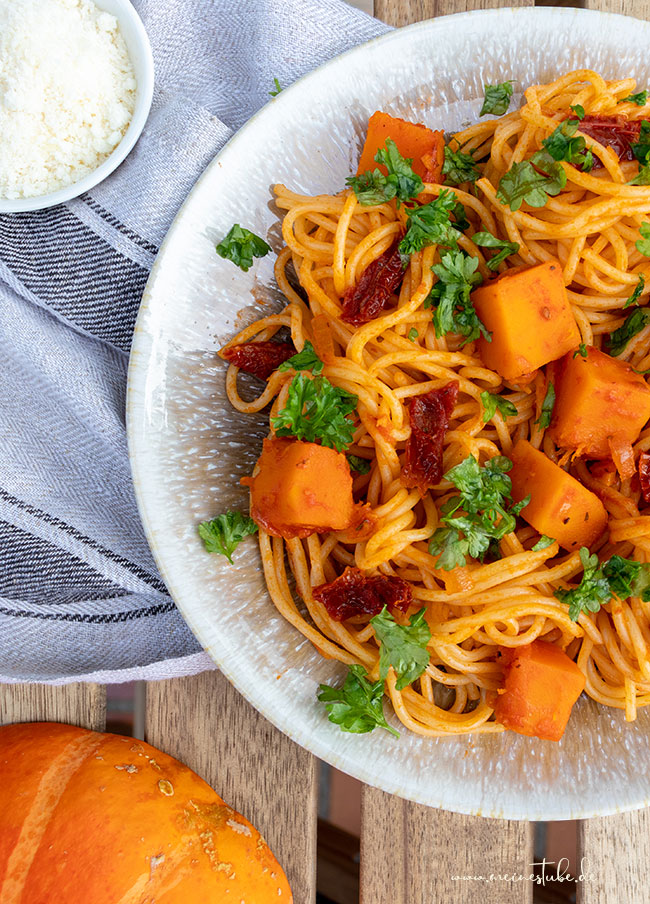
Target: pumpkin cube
x,y
301,488
559,506
530,318
599,402
413,141
541,685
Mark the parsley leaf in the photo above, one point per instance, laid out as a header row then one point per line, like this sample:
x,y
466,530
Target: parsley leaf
x,y
307,359
278,88
454,311
543,543
401,182
634,297
459,167
224,533
579,111
487,240
592,591
316,409
497,98
633,324
623,577
430,224
523,182
643,244
544,419
357,705
241,245
412,334
486,512
628,578
490,404
641,150
562,145
404,647
639,99
581,350
358,465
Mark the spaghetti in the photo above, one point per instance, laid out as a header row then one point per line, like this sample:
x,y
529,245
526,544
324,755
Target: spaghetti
x,y
591,228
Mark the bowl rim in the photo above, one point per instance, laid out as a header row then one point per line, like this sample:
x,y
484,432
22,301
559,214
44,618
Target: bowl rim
x,y
143,101
136,407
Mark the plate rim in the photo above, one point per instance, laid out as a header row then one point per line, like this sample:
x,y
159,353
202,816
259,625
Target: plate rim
x,y
135,410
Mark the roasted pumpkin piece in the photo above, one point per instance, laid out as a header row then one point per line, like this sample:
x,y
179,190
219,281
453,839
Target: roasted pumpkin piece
x,y
541,685
414,141
301,488
560,506
530,318
601,405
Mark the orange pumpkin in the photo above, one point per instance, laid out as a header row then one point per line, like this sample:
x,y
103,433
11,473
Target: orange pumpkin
x,y
104,819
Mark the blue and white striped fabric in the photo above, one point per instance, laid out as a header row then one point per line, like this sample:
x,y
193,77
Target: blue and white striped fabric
x,y
79,593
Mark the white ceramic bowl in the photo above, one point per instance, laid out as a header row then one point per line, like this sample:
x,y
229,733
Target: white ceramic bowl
x,y
189,447
139,48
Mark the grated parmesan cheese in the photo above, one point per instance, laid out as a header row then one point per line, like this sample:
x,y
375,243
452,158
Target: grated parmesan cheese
x,y
67,93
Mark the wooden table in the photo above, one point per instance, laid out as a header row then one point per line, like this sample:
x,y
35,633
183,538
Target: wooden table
x,y
409,853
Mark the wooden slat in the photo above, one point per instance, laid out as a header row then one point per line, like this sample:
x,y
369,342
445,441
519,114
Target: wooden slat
x,y
77,704
410,853
403,12
614,852
638,8
204,722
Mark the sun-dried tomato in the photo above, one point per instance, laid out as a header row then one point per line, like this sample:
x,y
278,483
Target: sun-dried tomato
x,y
429,415
644,475
258,358
352,593
616,132
378,282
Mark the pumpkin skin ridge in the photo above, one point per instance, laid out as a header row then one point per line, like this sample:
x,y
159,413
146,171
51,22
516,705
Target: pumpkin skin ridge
x,y
131,826
61,770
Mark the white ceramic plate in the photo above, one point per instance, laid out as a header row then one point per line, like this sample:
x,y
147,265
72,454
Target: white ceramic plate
x,y
189,448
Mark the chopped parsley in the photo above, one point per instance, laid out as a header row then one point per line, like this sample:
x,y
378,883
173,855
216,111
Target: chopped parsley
x,y
277,89
544,419
543,543
357,705
563,144
633,324
224,533
358,465
430,224
641,150
241,245
454,311
524,182
643,244
459,167
639,99
372,187
579,111
481,515
491,403
634,297
404,647
307,359
487,240
581,350
623,577
497,98
317,410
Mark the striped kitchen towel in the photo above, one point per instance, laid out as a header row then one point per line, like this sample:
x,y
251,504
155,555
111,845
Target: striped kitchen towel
x,y
80,597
